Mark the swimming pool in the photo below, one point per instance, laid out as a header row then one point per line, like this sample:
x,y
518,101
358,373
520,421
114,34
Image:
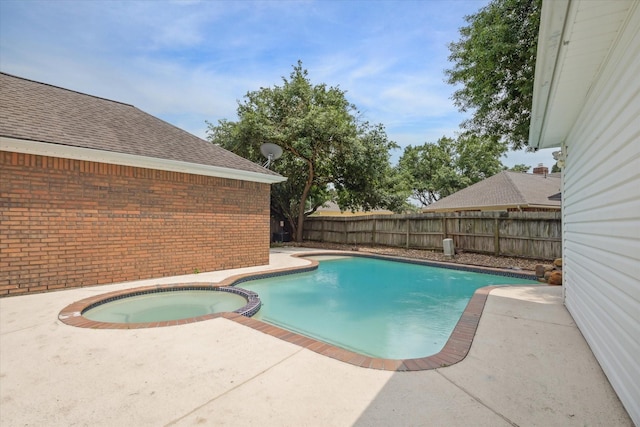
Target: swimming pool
x,y
374,307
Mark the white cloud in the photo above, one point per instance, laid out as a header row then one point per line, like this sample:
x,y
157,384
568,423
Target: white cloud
x,y
190,61
532,159
415,99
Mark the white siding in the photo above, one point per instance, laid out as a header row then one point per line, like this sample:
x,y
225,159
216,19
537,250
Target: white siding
x,y
601,218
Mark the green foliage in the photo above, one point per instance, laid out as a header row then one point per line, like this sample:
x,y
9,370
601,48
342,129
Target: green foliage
x,y
494,64
363,176
326,152
555,168
433,171
519,168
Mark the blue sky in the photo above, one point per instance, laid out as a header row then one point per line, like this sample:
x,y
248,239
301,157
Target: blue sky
x,y
191,61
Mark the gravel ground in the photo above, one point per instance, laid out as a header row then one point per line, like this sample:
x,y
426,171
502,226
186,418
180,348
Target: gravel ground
x,y
467,258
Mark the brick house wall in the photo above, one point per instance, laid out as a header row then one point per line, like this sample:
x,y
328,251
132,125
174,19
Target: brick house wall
x,y
70,223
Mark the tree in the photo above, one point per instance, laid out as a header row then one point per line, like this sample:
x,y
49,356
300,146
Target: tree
x,y
433,171
326,150
494,63
519,168
363,176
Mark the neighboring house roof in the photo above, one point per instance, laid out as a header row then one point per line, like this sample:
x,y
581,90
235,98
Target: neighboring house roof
x,y
505,190
86,127
332,209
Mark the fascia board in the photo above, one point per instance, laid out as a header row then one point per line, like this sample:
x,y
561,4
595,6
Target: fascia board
x,y
88,154
550,38
493,208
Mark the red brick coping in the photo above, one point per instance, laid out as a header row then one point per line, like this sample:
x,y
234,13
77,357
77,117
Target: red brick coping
x,y
453,351
456,348
72,314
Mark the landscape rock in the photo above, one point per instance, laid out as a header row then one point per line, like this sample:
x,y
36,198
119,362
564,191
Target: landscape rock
x,y
555,278
461,257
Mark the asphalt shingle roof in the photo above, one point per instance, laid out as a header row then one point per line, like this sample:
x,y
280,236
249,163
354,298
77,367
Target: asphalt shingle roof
x,y
36,111
504,189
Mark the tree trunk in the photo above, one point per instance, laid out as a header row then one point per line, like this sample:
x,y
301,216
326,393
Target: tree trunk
x,y
294,228
303,203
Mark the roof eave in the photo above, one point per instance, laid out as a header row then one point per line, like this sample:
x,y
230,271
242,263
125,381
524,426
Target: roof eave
x,y
493,208
569,63
552,26
88,154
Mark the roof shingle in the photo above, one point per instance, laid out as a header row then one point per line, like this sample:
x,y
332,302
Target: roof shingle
x,y
40,112
502,190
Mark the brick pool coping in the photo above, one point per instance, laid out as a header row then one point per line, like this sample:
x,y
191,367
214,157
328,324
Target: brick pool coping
x,y
455,350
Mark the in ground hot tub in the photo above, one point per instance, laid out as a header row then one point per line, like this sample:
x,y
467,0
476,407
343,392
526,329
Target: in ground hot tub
x,y
163,305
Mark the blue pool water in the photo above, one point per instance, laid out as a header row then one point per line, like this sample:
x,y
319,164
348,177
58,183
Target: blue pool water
x,y
374,307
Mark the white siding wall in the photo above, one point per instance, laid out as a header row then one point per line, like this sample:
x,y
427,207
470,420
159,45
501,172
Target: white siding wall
x,y
601,219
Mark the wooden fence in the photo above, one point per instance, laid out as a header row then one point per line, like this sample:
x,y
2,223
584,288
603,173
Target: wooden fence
x,y
522,234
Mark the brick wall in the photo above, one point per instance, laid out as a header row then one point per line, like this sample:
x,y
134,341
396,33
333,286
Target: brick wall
x,y
69,223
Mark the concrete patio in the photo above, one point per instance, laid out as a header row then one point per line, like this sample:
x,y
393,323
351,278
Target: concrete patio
x,y
528,365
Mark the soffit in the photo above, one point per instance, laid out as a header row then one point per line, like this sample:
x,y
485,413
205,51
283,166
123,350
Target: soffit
x,y
574,43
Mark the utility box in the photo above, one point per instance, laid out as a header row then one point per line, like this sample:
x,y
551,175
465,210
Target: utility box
x,y
449,250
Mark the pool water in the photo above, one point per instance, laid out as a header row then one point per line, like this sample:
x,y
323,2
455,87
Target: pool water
x,y
375,307
165,306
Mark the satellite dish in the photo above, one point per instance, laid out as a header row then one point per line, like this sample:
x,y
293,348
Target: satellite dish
x,y
271,152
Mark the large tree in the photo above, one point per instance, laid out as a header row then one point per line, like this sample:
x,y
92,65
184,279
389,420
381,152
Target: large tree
x,y
494,63
521,167
328,153
433,171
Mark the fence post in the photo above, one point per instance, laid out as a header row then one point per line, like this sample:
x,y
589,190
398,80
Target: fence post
x,y
346,232
444,226
408,227
496,237
373,232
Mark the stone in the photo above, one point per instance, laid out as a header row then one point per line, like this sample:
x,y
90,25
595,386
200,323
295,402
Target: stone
x,y
557,262
555,278
540,270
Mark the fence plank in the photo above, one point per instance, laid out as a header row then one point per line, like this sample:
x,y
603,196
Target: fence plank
x,y
524,234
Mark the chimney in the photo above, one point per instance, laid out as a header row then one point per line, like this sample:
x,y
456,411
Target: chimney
x,y
541,170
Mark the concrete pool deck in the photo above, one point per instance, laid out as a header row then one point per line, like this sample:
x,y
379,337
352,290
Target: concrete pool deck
x,y
528,365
